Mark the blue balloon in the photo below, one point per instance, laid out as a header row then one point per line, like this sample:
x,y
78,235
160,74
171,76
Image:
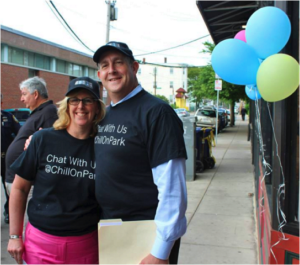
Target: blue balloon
x,y
252,92
268,30
235,62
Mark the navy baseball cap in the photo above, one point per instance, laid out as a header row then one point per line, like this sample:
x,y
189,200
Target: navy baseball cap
x,y
84,83
119,46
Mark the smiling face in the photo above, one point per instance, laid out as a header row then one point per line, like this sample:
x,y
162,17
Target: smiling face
x,y
81,115
117,74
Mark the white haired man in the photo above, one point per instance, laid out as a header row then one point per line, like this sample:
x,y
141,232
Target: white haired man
x,y
34,95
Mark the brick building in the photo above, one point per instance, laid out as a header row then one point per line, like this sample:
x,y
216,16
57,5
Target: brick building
x,y
24,56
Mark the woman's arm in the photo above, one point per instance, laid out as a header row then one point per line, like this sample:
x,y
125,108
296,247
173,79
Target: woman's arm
x,y
17,206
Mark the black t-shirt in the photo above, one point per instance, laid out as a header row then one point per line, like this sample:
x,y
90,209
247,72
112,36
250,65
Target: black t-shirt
x,y
62,168
135,136
42,117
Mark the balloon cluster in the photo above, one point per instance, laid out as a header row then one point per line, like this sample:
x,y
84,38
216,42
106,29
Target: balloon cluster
x,y
251,58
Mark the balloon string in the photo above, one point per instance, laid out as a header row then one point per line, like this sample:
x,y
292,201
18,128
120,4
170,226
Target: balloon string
x,y
267,171
267,166
280,192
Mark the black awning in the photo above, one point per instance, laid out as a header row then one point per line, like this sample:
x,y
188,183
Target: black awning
x,y
224,19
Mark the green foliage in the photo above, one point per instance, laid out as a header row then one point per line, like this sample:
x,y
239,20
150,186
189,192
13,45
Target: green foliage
x,y
247,107
162,98
201,83
173,106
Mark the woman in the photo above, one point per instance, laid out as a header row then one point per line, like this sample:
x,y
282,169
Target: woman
x,y
63,212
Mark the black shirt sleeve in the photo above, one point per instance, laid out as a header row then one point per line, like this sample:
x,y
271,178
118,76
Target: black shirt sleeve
x,y
165,138
26,164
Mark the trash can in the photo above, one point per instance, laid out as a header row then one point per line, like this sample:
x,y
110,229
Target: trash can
x,y
204,143
189,125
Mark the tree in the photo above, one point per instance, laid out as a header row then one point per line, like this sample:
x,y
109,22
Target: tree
x,y
162,98
201,84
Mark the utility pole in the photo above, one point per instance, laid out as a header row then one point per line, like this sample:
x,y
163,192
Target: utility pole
x,y
111,16
107,21
155,70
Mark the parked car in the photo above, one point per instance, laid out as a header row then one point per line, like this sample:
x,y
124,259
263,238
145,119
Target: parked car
x,y
223,118
21,114
182,112
225,115
206,117
228,114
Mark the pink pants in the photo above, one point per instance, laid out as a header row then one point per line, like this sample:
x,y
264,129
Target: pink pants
x,y
42,248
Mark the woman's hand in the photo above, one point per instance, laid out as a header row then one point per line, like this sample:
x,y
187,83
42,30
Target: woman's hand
x,y
16,248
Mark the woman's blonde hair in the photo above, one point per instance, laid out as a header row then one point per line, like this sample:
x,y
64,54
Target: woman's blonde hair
x,y
64,119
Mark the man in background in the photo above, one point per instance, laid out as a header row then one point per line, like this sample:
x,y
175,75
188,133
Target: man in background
x,y
243,113
9,129
43,114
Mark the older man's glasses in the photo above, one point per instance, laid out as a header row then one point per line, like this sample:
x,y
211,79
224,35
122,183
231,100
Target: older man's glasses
x,y
85,101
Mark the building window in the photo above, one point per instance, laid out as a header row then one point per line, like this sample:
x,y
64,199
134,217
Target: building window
x,y
18,56
34,60
183,71
60,66
2,53
77,70
104,95
139,71
69,68
32,72
171,84
92,73
41,61
29,59
171,70
15,56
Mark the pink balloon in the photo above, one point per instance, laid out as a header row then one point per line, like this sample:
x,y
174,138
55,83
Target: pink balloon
x,y
241,35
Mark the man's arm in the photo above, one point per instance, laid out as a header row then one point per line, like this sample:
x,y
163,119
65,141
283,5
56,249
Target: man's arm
x,y
170,214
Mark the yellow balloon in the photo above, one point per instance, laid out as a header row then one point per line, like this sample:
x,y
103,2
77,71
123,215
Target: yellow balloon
x,y
277,77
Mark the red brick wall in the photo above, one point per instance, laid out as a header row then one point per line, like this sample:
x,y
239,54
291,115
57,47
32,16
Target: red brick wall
x,y
12,76
57,85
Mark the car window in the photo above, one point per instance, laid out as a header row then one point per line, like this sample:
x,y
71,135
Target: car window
x,y
21,115
207,113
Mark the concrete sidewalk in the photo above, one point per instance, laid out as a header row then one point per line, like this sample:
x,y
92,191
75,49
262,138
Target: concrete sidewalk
x,y
221,226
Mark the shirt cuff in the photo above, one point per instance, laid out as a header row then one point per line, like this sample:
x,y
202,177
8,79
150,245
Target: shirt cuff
x,y
162,249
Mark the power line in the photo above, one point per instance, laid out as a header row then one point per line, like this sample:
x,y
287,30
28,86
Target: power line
x,y
170,66
174,46
70,27
155,64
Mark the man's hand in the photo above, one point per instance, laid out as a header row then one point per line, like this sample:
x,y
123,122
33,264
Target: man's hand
x,y
29,140
153,260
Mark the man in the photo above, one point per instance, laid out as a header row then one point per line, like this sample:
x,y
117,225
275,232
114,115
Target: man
x,y
140,154
9,129
34,95
243,113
